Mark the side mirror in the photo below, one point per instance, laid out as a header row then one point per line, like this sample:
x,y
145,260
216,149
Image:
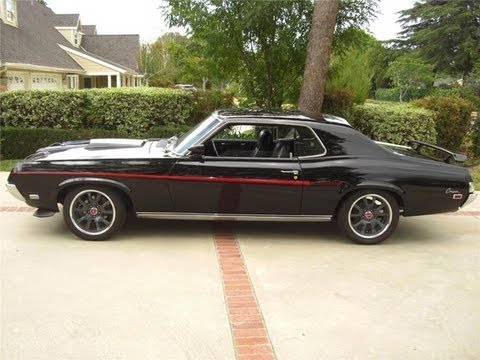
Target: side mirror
x,y
197,151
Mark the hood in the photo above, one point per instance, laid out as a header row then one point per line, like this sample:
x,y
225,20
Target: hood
x,y
100,149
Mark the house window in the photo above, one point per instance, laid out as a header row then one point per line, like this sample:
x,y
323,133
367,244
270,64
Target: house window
x,y
11,11
72,81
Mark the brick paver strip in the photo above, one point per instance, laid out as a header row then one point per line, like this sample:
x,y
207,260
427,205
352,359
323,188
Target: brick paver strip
x,y
250,336
16,209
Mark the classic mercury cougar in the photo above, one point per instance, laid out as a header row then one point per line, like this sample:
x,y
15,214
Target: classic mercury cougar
x,y
245,165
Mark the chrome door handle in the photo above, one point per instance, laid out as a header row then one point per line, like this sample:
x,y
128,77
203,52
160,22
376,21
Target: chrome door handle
x,y
294,172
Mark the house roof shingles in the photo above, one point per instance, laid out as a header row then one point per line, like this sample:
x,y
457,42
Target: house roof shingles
x,y
120,49
33,41
66,20
89,29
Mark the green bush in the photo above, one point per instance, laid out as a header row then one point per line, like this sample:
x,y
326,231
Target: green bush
x,y
17,143
476,137
54,109
338,102
129,110
395,123
453,117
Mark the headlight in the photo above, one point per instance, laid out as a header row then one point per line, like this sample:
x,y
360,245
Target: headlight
x,y
471,187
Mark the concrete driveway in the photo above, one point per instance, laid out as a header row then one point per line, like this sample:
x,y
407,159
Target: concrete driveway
x,y
193,290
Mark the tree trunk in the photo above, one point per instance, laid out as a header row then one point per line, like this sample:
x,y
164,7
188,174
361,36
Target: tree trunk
x,y
318,56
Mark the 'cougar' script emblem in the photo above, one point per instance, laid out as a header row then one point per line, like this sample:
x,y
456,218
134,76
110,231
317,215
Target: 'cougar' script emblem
x,y
451,191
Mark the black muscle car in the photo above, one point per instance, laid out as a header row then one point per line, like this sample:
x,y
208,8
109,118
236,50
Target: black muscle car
x,y
244,165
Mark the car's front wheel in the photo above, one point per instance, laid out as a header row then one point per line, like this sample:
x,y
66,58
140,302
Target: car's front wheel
x,y
94,212
368,217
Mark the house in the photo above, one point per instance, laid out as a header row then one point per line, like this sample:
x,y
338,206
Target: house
x,y
43,50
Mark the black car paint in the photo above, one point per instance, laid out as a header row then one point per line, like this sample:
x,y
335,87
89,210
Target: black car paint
x,y
256,185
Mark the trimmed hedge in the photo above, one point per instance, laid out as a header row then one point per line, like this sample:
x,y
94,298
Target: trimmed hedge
x,y
453,117
395,123
17,143
476,137
130,110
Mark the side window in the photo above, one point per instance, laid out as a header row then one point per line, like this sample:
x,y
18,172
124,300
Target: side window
x,y
264,141
333,144
306,143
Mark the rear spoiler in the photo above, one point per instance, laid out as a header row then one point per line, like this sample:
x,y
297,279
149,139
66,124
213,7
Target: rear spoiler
x,y
450,156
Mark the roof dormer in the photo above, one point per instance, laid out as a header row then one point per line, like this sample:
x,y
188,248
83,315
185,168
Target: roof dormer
x,y
70,27
8,12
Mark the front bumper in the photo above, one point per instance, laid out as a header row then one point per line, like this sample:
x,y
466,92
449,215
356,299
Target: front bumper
x,y
12,189
471,198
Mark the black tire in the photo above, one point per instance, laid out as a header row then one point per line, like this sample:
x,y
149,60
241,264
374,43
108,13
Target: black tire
x,y
94,212
368,217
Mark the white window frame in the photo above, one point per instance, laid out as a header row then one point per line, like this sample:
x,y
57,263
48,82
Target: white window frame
x,y
72,82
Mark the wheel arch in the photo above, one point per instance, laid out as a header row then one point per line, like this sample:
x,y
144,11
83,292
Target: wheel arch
x,y
66,186
392,189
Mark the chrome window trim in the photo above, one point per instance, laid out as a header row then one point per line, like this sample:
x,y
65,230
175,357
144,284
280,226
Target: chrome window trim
x,y
256,121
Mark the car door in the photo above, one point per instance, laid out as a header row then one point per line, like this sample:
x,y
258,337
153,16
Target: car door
x,y
238,184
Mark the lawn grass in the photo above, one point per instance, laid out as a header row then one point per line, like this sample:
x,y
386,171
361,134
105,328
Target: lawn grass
x,y
7,165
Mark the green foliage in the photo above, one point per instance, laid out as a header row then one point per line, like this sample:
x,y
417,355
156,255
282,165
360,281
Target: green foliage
x,y
17,143
408,73
338,102
393,94
137,110
54,109
476,137
351,69
175,58
394,123
446,32
133,111
261,45
453,117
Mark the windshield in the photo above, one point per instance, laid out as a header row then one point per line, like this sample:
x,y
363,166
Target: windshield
x,y
195,134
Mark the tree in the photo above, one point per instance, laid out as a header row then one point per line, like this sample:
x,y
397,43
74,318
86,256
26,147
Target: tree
x,y
353,70
261,45
409,72
446,32
175,58
318,56
43,2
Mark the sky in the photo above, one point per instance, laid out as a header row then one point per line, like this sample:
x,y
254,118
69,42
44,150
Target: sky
x,y
144,17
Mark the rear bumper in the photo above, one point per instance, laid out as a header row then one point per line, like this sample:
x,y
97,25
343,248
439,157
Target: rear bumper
x,y
471,198
12,189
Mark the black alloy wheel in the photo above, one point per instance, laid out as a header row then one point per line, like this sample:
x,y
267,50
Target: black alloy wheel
x,y
94,212
368,217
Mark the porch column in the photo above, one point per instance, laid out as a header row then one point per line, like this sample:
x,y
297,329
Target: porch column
x,y
118,80
109,77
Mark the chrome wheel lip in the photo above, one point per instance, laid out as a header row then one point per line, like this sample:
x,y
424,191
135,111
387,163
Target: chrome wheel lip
x,y
79,228
387,225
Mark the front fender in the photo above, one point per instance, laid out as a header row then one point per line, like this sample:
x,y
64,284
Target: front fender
x,y
91,180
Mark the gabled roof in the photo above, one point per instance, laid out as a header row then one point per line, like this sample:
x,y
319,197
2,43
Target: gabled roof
x,y
66,20
119,49
89,29
35,39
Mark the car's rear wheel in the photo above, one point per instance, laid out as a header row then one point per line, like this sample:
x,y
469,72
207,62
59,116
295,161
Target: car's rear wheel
x,y
368,217
94,212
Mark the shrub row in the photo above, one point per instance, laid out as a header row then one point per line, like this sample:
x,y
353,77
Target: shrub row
x,y
395,123
453,116
17,143
130,110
